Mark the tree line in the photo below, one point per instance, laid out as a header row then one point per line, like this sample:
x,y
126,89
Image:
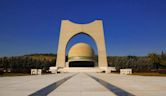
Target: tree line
x,y
151,62
23,64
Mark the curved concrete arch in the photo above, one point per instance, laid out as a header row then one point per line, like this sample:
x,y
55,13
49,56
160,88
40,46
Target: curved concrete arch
x,y
78,35
70,29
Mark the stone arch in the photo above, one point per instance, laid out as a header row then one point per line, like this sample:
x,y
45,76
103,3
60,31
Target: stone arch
x,y
80,33
94,48
70,29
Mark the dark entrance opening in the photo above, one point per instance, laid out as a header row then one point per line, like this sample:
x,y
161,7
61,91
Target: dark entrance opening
x,y
81,64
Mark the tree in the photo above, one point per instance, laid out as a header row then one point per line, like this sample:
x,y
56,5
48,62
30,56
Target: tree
x,y
155,59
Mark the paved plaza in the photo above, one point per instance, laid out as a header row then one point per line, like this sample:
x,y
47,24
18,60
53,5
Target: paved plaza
x,y
83,84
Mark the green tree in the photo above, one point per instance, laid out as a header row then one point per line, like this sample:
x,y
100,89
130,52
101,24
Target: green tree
x,y
155,59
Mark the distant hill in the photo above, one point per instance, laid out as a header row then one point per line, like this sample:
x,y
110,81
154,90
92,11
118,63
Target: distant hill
x,y
42,57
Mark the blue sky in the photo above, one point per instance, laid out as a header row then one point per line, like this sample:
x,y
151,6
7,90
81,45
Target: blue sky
x,y
132,27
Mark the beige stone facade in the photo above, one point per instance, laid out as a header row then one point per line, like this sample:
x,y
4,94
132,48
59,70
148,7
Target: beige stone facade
x,y
70,29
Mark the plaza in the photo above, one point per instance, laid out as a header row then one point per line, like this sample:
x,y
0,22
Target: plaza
x,y
83,84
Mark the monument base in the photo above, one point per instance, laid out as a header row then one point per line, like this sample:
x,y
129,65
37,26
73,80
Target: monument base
x,y
82,69
53,70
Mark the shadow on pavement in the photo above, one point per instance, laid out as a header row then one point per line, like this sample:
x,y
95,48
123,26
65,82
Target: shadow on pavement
x,y
48,89
112,88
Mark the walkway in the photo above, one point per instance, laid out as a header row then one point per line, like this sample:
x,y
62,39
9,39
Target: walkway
x,y
81,85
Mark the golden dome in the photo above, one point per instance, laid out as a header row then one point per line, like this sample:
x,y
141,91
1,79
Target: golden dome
x,y
80,50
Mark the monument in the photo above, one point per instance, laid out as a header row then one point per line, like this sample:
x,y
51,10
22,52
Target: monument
x,y
81,55
68,31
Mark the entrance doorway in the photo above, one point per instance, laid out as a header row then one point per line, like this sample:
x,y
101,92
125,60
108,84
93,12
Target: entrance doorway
x,y
81,64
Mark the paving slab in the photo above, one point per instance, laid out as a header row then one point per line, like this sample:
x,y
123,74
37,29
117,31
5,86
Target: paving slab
x,y
26,85
137,85
81,85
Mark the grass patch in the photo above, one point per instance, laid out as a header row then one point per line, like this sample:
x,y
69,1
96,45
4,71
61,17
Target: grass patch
x,y
13,74
149,74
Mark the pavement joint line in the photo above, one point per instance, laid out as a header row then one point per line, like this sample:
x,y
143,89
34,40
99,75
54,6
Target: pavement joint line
x,y
116,90
48,89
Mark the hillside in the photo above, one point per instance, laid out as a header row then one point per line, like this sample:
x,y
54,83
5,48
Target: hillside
x,y
42,57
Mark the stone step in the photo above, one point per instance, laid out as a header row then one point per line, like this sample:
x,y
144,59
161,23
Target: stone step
x,y
80,69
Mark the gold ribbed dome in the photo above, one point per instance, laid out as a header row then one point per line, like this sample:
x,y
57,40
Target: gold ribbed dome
x,y
81,50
